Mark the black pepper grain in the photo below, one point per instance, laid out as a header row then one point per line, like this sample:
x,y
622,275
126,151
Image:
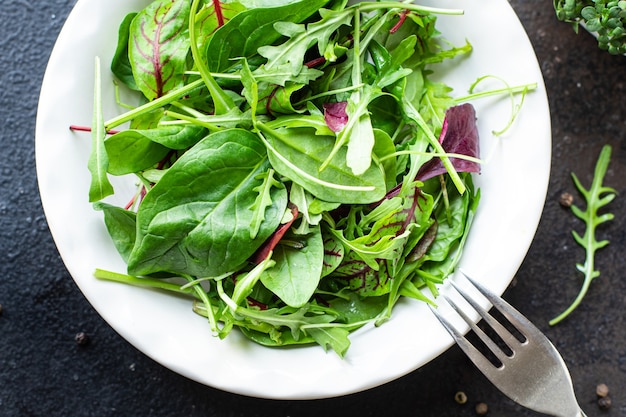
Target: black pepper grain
x,y
604,402
81,338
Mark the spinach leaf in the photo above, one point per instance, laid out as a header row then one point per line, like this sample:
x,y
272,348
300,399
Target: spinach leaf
x,y
297,272
297,153
196,219
130,151
120,64
158,46
121,225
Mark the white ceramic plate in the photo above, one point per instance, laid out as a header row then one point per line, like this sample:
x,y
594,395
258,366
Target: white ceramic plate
x,y
513,184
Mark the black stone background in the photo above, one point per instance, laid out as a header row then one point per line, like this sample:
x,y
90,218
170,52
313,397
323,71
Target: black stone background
x,y
44,372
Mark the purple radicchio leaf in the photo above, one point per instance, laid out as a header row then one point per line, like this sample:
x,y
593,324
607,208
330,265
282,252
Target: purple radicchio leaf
x,y
459,135
335,115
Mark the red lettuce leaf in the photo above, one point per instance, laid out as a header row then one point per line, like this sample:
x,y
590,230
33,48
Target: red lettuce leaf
x,y
335,115
459,135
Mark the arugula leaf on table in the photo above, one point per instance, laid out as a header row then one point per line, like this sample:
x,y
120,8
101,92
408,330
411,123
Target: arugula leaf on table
x,y
596,197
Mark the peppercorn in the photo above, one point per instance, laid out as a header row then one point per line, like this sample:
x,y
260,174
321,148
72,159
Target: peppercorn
x,y
482,409
81,338
460,397
604,403
566,199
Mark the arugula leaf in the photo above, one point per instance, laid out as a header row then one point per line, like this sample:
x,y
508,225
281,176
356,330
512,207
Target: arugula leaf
x,y
249,30
263,200
301,38
596,197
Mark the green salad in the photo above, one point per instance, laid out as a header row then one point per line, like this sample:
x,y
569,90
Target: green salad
x,y
298,169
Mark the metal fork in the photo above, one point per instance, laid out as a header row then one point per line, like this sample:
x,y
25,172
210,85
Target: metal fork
x,y
532,373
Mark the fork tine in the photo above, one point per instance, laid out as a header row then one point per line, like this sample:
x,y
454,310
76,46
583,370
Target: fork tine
x,y
502,331
470,350
488,341
509,312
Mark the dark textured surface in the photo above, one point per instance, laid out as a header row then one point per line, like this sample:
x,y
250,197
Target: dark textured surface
x,y
44,372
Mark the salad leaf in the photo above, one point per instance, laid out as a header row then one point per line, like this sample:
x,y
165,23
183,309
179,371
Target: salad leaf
x,y
158,47
253,28
120,64
459,135
196,219
298,269
596,197
98,159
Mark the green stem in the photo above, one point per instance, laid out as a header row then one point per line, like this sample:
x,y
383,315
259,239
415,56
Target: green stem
x,y
575,303
407,6
202,295
222,102
501,91
141,282
154,104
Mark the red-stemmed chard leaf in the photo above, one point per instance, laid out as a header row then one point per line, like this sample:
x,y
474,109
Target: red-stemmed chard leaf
x,y
269,245
336,116
212,17
158,47
459,135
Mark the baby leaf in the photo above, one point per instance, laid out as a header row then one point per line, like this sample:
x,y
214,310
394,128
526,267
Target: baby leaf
x,y
120,64
158,46
459,135
130,151
98,159
249,30
122,225
596,197
213,16
334,252
297,272
178,137
263,200
331,337
297,153
196,219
